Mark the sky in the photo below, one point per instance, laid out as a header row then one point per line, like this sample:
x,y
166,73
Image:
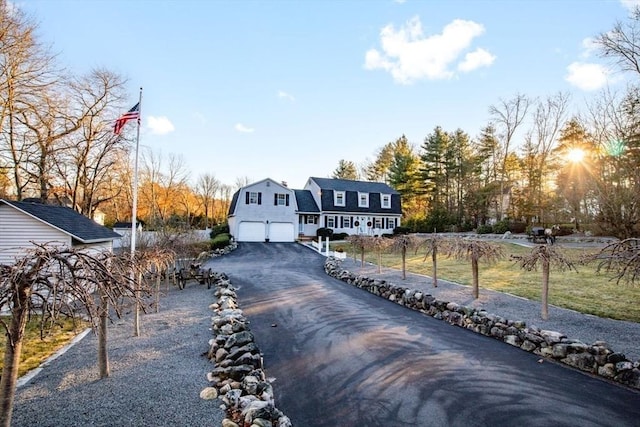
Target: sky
x,y
285,89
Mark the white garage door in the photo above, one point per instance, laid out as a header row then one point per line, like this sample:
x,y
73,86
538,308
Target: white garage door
x,y
281,232
251,232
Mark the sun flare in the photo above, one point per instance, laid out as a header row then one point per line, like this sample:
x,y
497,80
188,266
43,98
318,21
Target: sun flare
x,y
575,155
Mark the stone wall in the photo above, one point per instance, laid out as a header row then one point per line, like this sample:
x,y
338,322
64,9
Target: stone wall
x,y
238,378
596,358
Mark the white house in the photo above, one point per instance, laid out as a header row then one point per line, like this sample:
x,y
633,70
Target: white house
x,y
269,211
22,223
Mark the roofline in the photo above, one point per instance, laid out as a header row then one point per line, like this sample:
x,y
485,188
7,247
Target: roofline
x,y
106,239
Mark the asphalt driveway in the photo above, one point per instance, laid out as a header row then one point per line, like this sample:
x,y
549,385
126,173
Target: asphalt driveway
x,y
340,356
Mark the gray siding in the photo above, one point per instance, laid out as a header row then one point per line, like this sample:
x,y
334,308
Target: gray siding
x,y
18,230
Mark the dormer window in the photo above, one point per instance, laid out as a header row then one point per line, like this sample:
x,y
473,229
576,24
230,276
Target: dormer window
x,y
385,201
363,200
339,198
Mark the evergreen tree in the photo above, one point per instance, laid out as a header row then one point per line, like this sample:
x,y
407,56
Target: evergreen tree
x,y
346,170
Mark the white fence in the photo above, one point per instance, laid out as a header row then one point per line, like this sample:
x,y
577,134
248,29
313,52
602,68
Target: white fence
x,y
151,237
324,249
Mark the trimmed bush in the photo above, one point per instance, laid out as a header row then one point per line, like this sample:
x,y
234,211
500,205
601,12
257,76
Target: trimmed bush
x,y
324,232
220,241
339,236
401,230
484,229
501,227
219,229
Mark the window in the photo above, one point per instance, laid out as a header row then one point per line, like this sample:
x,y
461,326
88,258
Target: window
x,y
338,198
363,200
377,223
346,222
253,198
385,201
312,219
280,199
330,222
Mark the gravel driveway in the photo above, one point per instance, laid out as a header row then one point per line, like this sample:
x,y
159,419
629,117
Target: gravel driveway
x,y
155,379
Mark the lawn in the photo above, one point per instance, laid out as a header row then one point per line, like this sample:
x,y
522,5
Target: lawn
x,y
585,291
36,350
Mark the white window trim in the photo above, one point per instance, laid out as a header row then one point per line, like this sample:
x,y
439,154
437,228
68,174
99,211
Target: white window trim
x,y
382,204
281,198
360,204
335,198
252,200
332,220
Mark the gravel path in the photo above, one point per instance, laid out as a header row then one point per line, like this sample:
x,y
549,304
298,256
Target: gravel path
x,y
623,337
155,379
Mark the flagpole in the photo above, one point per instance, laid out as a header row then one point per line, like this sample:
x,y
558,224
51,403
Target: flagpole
x,y
134,212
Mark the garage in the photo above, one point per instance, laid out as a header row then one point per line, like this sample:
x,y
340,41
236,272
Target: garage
x,y
281,232
250,231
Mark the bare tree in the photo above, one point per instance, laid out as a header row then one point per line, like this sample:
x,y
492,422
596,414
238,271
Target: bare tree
x,y
621,258
26,72
435,244
377,244
622,43
476,250
359,244
53,282
402,243
90,156
547,256
207,187
508,116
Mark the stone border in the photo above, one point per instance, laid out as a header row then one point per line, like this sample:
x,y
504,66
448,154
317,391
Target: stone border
x,y
238,377
597,358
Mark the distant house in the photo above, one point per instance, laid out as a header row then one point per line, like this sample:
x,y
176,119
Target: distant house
x,y
269,211
22,223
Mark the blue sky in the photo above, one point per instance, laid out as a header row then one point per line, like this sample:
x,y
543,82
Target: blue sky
x,y
285,89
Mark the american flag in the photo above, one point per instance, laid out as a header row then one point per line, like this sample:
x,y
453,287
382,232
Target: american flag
x,y
133,113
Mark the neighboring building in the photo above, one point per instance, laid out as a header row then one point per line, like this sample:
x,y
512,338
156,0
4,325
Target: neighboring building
x,y
22,223
268,211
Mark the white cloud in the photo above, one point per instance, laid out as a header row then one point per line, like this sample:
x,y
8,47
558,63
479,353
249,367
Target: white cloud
x,y
409,56
476,59
285,95
589,46
242,128
160,125
587,76
630,4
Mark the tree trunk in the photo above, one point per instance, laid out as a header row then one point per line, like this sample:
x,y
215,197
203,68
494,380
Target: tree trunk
x,y
136,314
474,271
13,350
362,257
434,258
404,263
103,357
545,289
379,261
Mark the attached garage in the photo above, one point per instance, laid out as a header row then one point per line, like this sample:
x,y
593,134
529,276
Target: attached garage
x,y
250,231
281,232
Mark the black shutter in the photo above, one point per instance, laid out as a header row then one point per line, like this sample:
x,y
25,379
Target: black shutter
x,y
287,201
246,199
259,198
341,222
325,222
275,200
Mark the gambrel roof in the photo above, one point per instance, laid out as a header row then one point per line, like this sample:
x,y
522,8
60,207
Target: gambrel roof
x,y
70,222
348,185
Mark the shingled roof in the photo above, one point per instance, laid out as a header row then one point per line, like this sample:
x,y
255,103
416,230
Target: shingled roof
x,y
306,203
66,220
348,185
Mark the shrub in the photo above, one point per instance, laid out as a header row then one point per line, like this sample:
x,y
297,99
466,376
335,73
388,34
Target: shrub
x,y
220,241
401,230
501,227
324,232
484,229
517,227
219,229
339,236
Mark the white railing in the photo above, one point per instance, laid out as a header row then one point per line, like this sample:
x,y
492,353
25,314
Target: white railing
x,y
319,246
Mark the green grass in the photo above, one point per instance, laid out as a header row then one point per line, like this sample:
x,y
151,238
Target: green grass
x,y
585,291
36,350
